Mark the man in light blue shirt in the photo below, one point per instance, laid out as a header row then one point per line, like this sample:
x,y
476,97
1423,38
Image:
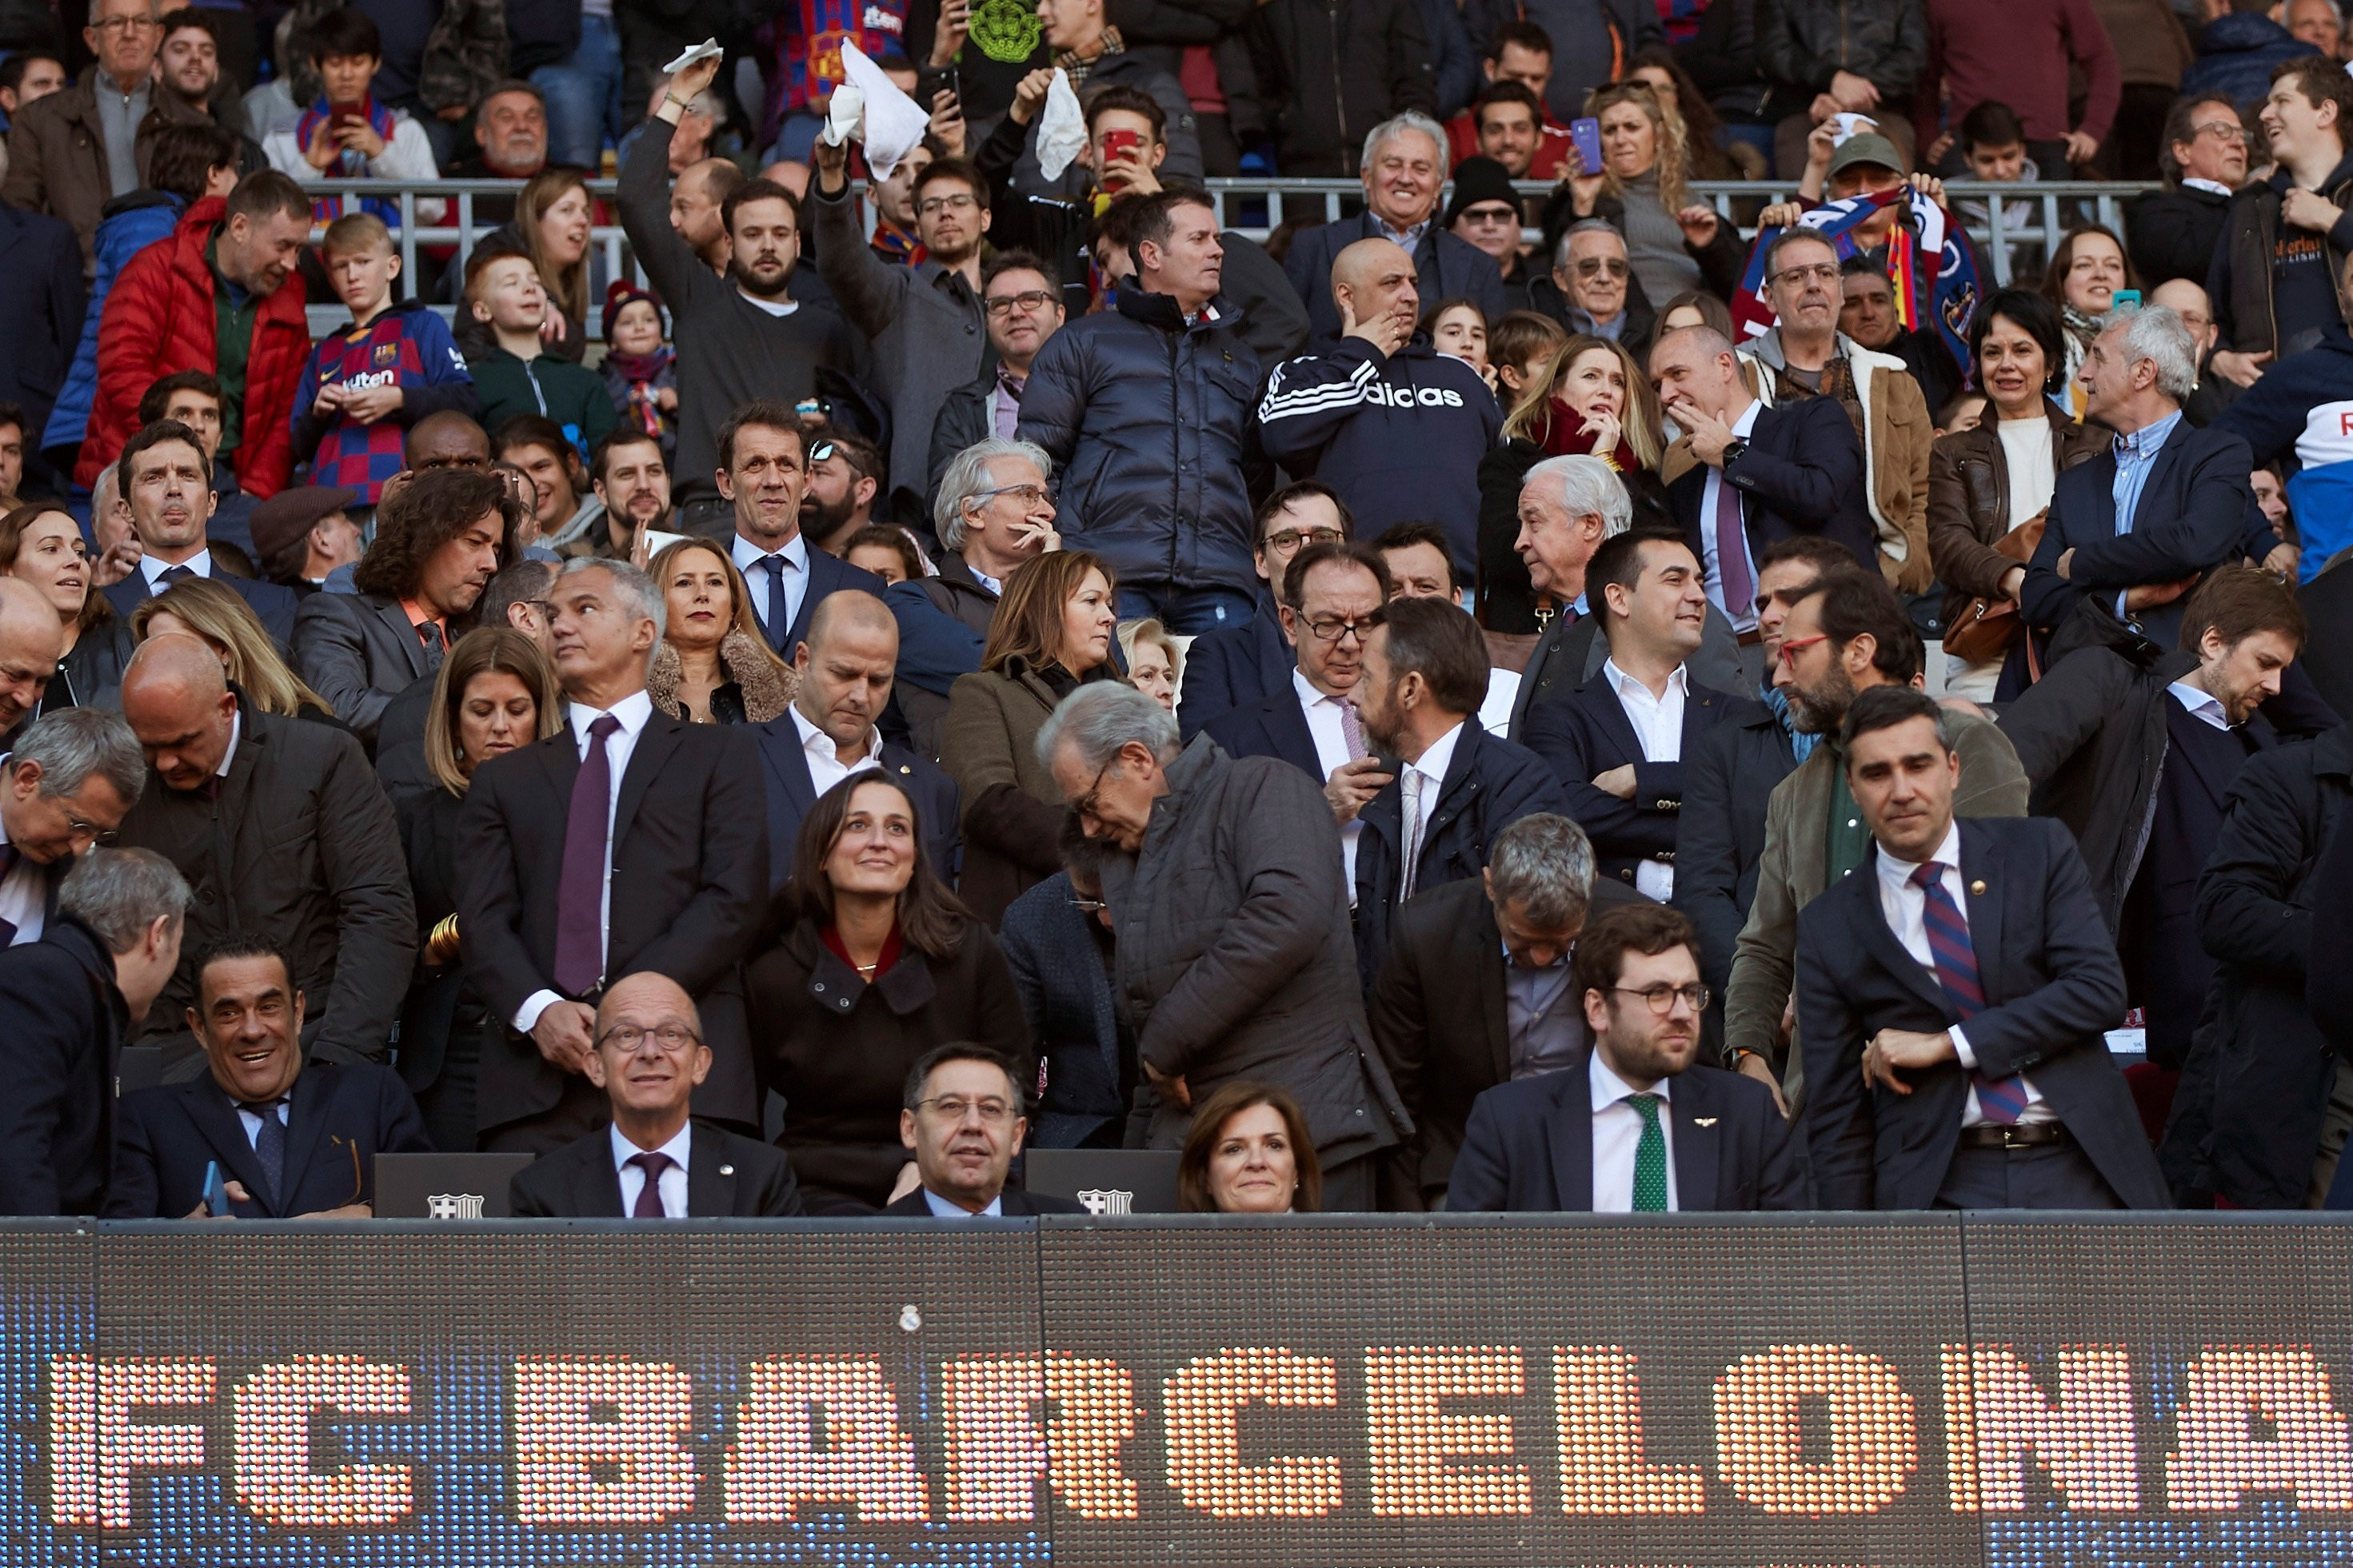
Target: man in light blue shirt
x,y
961,1117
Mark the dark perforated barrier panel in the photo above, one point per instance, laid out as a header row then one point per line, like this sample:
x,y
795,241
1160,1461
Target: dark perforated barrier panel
x,y
1932,1391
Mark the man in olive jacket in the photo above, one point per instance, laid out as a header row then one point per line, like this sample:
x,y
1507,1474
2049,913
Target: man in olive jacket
x,y
1231,917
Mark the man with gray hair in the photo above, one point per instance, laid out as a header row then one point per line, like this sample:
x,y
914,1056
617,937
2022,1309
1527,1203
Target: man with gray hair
x,y
1567,507
2136,527
65,785
1404,169
68,1004
1475,989
1593,289
1234,956
627,841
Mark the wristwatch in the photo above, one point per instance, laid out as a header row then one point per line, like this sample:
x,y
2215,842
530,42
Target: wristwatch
x,y
1732,449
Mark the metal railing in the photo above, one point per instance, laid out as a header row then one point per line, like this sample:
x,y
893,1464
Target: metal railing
x,y
2011,225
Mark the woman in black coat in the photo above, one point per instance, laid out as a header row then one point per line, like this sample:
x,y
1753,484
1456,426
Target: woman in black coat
x,y
877,962
494,692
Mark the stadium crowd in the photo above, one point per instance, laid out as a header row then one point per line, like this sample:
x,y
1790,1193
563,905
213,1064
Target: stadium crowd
x,y
1492,702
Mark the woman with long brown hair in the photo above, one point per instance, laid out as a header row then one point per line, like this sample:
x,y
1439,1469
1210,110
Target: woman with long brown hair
x,y
2087,267
713,667
495,693
1055,626
1249,1151
553,214
200,607
875,963
41,545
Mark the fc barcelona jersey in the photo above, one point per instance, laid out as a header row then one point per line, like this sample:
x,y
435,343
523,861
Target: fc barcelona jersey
x,y
401,348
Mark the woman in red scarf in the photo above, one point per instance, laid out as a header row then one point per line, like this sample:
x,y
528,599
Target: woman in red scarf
x,y
1593,400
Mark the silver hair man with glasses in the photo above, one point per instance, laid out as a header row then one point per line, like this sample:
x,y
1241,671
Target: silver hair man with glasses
x,y
962,1117
1634,1126
66,784
655,1161
2136,527
1597,292
1475,989
1235,950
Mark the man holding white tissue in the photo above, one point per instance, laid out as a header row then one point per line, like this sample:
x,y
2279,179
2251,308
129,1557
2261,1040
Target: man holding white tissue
x,y
1092,54
742,337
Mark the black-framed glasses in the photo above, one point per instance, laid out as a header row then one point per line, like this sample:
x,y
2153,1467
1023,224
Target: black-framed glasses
x,y
1332,628
1496,215
1089,906
1292,538
1086,803
1028,300
932,207
1663,998
1595,265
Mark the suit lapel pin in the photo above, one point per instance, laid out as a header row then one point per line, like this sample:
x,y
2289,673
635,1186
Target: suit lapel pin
x,y
1978,888
726,1170
1702,1121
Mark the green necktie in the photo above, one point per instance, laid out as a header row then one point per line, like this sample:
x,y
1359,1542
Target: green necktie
x,y
1650,1157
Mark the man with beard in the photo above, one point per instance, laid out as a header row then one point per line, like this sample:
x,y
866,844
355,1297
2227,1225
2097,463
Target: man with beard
x,y
741,338
438,543
632,484
1846,634
845,479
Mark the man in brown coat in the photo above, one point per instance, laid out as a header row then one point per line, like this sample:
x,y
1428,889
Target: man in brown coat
x,y
71,152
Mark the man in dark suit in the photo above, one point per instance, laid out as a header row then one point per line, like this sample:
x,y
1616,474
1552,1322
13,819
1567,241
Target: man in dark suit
x,y
1332,600
1567,507
1237,666
1729,776
1617,742
654,1161
2327,602
2137,526
830,731
627,841
67,1003
1756,474
167,482
1953,996
293,1141
1404,176
66,781
1475,990
515,598
763,473
1635,1126
1454,786
439,540
962,1120
1061,944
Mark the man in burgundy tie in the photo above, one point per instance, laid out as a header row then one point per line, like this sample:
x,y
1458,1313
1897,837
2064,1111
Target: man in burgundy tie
x,y
655,1161
627,841
1952,1001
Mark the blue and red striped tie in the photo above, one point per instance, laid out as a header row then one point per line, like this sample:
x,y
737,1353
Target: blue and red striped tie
x,y
2000,1099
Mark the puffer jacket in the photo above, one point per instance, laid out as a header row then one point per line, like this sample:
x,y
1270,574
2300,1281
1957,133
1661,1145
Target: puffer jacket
x,y
1801,44
131,222
1235,958
161,318
1329,73
1147,417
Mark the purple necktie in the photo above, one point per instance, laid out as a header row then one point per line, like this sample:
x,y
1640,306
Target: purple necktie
x,y
1008,403
1352,729
2000,1099
580,892
1732,569
650,1204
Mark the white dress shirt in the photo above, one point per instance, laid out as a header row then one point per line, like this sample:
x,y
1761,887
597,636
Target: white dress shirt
x,y
633,1177
1617,1136
635,711
1323,715
2202,705
1415,824
825,768
1742,616
1658,727
236,733
1905,908
152,567
748,557
24,893
943,1209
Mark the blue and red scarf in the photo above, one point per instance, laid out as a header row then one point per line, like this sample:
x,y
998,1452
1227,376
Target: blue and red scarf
x,y
810,47
349,164
1930,269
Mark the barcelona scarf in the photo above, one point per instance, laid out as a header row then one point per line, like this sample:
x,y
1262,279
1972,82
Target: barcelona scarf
x,y
349,163
1930,269
814,32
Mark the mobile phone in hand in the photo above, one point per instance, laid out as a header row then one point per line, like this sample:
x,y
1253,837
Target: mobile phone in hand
x,y
1117,144
216,1190
1586,135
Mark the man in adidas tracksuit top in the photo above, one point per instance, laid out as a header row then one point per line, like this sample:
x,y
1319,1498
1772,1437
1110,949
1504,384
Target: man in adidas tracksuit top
x,y
1382,418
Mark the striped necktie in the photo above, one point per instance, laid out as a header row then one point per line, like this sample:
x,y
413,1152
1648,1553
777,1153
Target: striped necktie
x,y
1955,959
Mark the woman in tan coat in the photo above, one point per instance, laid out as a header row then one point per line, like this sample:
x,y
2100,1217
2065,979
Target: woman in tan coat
x,y
1055,627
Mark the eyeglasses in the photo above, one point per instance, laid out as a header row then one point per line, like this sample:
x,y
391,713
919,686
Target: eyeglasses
x,y
101,836
1595,265
1789,649
1483,216
932,207
1028,300
954,1108
127,24
1089,906
1290,539
1663,999
1086,803
1031,495
1820,273
2226,131
675,1039
1331,628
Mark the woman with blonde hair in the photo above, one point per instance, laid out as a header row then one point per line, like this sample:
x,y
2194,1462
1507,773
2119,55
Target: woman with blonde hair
x,y
1155,666
1055,627
41,545
200,607
1592,399
495,693
713,667
1643,190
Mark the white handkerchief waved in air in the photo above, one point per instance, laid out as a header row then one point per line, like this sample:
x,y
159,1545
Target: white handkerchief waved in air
x,y
1850,124
842,113
1061,130
894,122
708,49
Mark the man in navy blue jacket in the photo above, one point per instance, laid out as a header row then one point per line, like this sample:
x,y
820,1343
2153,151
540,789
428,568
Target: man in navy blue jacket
x,y
1404,173
1381,416
1241,665
291,1142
